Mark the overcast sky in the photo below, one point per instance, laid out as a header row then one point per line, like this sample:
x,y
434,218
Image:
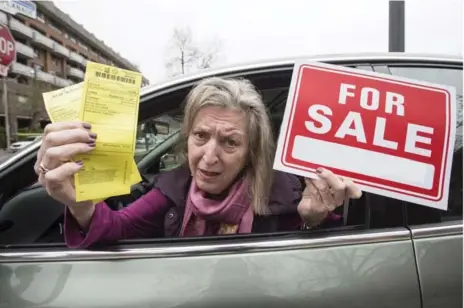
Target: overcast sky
x,y
261,29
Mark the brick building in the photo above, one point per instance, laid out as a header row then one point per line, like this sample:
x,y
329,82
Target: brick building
x,y
52,52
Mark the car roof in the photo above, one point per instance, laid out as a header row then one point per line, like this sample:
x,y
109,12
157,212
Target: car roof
x,y
290,61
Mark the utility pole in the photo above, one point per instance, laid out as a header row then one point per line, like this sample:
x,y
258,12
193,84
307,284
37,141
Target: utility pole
x,y
396,26
6,111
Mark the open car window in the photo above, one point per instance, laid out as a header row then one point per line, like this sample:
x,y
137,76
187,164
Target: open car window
x,y
452,77
153,132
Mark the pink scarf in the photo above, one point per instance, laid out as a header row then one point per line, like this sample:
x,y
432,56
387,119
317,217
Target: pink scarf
x,y
234,210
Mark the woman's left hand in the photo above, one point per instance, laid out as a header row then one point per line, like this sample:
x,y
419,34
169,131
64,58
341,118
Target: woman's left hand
x,y
324,195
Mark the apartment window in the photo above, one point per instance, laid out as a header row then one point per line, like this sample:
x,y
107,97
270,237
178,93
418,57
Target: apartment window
x,y
21,61
20,40
55,28
56,62
83,46
40,54
41,17
38,30
38,67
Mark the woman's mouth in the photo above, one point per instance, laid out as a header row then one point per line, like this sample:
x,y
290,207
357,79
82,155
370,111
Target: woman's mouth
x,y
208,174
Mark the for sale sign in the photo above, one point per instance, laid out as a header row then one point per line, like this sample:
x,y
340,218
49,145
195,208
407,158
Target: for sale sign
x,y
390,135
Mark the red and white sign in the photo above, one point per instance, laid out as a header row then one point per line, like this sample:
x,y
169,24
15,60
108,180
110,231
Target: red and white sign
x,y
390,135
7,50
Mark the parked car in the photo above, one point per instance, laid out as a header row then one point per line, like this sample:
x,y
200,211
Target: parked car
x,y
19,145
389,253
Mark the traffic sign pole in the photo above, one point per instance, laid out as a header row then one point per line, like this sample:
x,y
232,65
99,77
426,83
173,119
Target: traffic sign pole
x,y
7,58
7,112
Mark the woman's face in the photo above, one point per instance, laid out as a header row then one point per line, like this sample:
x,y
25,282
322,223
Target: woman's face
x,y
217,147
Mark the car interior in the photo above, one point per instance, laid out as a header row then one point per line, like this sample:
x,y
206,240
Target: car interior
x,y
28,216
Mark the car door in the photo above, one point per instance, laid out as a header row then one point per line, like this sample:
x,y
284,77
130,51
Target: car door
x,y
368,262
437,235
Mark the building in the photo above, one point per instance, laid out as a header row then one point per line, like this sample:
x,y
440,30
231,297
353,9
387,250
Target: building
x,y
52,52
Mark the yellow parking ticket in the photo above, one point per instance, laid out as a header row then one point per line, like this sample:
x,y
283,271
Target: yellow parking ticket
x,y
110,103
102,173
63,105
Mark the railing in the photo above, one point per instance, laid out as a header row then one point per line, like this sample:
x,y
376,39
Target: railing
x,y
60,82
76,72
61,50
41,75
3,18
77,58
17,26
25,50
22,69
43,40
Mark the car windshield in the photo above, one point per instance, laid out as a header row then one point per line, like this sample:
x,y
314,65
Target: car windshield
x,y
31,138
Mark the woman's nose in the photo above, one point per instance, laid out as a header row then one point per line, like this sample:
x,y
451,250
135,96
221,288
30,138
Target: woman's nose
x,y
210,154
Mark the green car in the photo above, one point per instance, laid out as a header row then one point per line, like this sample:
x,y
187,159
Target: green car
x,y
388,253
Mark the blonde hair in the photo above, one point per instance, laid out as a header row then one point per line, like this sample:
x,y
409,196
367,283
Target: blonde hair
x,y
238,94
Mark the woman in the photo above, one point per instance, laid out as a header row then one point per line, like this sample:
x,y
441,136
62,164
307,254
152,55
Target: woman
x,y
225,186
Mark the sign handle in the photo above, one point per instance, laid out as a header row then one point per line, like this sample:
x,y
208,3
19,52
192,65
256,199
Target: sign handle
x,y
346,205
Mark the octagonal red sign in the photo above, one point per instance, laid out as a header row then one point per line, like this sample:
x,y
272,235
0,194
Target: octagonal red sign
x,y
7,50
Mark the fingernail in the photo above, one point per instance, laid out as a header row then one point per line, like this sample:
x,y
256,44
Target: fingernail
x,y
93,135
92,144
80,162
86,125
319,170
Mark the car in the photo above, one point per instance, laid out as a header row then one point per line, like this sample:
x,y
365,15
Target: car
x,y
19,145
388,253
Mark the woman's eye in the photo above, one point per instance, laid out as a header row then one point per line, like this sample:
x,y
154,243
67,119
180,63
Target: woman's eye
x,y
231,143
200,135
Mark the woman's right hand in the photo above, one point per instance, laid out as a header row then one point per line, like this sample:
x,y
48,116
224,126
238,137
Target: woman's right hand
x,y
60,143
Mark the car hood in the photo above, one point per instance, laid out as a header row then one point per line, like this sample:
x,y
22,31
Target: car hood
x,y
21,143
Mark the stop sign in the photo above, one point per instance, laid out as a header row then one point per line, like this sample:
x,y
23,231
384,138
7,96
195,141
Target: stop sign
x,y
7,50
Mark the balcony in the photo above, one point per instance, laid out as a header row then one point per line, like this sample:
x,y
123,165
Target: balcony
x,y
60,49
74,72
20,29
41,39
60,82
25,50
3,18
46,77
21,69
77,58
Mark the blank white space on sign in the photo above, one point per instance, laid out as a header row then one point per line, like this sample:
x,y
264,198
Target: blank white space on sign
x,y
383,166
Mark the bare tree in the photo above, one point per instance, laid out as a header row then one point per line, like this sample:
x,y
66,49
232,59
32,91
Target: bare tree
x,y
184,52
210,54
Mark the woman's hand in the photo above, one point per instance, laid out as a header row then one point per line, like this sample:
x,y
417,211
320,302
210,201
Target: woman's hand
x,y
323,196
60,143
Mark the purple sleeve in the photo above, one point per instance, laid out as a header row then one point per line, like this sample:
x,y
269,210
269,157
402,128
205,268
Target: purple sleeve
x,y
140,219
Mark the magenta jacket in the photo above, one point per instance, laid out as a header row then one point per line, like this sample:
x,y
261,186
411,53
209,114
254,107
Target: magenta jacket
x,y
159,212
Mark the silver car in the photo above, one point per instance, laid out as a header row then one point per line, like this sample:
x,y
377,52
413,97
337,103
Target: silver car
x,y
389,253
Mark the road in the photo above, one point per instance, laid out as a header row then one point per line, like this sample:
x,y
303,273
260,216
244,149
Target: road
x,y
4,155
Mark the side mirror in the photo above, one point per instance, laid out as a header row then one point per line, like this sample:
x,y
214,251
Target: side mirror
x,y
168,161
162,128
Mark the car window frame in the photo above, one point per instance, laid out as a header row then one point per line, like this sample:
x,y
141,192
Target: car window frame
x,y
312,236
445,216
